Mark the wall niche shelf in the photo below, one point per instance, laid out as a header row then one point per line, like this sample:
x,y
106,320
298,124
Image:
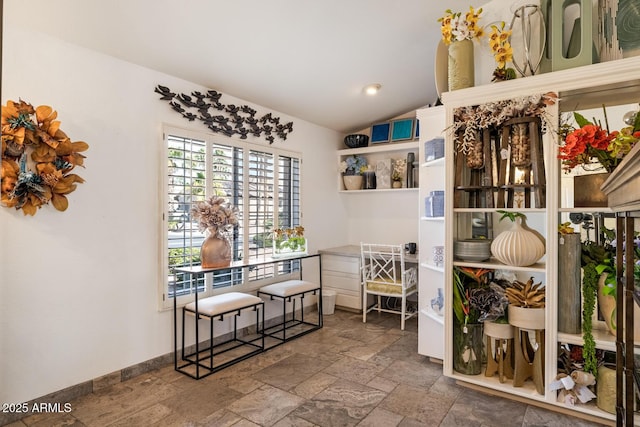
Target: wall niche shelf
x,y
374,153
380,148
380,190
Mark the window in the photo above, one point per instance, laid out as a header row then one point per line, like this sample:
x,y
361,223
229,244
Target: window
x,y
262,182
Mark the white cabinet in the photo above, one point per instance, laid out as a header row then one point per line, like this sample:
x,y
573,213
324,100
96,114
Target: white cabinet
x,y
431,235
610,83
341,273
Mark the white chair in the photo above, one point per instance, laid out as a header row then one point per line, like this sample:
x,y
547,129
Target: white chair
x,y
384,275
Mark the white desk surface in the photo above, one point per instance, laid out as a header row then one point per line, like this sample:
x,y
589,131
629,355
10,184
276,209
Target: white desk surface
x,y
354,251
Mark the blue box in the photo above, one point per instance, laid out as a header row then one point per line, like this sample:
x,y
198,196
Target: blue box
x,y
434,204
434,149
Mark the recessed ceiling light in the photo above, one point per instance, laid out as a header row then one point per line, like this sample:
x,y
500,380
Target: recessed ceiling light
x,y
372,89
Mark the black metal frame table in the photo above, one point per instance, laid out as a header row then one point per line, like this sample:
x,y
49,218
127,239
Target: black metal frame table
x,y
197,270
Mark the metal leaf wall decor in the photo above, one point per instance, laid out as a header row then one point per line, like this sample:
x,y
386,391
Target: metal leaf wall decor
x,y
229,119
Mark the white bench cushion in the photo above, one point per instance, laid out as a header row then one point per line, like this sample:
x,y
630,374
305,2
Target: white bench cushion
x,y
289,287
223,303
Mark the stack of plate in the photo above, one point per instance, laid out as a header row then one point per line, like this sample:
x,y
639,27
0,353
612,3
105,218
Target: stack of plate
x,y
473,250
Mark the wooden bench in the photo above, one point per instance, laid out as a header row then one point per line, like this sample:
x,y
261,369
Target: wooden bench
x,y
219,307
287,292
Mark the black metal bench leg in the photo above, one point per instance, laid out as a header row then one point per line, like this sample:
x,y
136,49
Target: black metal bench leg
x,y
211,341
284,319
183,319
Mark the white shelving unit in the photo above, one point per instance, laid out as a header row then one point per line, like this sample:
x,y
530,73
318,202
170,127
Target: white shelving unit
x,y
610,83
398,150
431,233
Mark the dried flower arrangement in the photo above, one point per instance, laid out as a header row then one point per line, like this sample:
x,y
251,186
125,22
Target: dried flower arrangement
x,y
471,119
526,295
399,170
37,158
215,215
491,301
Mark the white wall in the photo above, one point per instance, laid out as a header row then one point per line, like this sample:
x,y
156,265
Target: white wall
x,y
78,290
384,217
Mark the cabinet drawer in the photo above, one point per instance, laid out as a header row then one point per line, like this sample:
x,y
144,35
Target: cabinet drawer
x,y
341,281
349,301
341,264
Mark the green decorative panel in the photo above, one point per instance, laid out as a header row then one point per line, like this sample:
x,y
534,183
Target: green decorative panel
x,y
580,51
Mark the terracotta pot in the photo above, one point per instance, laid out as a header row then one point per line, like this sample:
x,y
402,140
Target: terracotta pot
x,y
606,305
607,308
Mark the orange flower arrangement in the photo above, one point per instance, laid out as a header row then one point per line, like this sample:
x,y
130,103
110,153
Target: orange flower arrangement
x,y
37,159
590,141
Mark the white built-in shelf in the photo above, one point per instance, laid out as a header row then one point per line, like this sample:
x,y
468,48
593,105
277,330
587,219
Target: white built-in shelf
x,y
604,340
436,162
380,190
432,267
494,264
432,218
528,390
580,210
521,210
381,148
580,88
433,315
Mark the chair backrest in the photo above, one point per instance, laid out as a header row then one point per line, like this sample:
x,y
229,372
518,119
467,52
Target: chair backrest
x,y
384,264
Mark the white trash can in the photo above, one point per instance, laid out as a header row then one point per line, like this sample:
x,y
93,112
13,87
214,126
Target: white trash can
x,y
328,301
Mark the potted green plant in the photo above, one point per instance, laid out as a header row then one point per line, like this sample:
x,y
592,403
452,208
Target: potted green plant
x,y
598,271
467,331
289,241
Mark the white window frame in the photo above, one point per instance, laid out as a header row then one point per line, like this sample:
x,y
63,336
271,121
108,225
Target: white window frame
x,y
165,301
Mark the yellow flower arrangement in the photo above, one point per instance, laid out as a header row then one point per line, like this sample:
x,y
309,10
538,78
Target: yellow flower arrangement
x,y
502,52
37,159
455,28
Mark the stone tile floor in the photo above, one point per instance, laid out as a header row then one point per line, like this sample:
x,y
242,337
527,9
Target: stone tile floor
x,y
346,374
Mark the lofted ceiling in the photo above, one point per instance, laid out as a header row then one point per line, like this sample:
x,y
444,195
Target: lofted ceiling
x,y
308,59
